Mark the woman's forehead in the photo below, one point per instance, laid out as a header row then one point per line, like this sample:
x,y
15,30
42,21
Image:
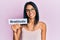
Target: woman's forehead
x,y
29,6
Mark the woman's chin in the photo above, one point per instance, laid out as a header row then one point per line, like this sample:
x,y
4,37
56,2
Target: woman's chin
x,y
31,17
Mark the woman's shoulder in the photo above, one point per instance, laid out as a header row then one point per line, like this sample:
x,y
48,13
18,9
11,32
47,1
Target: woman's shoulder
x,y
42,25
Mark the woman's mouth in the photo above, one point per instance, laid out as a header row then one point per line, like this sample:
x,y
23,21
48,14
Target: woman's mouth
x,y
31,14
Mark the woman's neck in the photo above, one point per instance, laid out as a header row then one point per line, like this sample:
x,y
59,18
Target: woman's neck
x,y
31,21
31,24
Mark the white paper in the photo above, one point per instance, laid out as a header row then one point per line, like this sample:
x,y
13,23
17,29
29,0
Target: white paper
x,y
17,21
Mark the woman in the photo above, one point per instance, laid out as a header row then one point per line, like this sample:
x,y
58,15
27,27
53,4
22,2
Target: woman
x,y
33,30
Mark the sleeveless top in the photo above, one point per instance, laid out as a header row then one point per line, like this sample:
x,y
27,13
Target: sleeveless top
x,y
31,35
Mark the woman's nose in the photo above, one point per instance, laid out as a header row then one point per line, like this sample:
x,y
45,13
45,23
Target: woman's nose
x,y
30,11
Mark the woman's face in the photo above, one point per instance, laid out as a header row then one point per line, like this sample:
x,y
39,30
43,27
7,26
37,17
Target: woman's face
x,y
31,13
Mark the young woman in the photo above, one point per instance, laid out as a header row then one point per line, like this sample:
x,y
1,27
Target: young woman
x,y
34,29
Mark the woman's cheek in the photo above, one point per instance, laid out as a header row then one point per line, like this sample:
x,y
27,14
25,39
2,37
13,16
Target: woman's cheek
x,y
28,14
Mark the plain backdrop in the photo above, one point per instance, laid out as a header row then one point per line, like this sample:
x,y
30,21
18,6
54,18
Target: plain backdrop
x,y
49,12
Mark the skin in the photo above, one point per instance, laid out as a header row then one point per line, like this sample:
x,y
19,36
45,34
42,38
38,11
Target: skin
x,y
17,28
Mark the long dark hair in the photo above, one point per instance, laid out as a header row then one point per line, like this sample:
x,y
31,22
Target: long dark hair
x,y
36,9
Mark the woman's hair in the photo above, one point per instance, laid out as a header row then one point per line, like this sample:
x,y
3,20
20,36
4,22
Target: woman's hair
x,y
36,9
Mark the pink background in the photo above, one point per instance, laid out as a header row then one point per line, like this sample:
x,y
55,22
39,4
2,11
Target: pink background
x,y
49,11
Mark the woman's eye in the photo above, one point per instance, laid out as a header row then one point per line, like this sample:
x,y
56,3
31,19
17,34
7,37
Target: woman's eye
x,y
32,9
27,10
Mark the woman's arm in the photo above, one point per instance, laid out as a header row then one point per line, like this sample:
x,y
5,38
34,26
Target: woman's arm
x,y
43,32
15,37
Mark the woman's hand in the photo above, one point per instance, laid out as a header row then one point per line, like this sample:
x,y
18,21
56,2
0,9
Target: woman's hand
x,y
15,27
16,31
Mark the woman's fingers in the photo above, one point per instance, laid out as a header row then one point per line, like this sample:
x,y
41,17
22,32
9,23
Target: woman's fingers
x,y
15,27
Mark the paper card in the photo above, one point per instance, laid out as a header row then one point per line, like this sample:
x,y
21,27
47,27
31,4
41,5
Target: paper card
x,y
17,21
